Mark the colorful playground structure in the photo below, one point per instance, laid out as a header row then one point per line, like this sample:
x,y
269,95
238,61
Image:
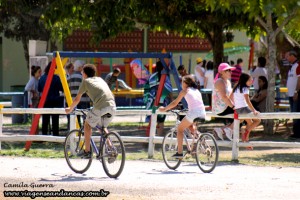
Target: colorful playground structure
x,y
58,63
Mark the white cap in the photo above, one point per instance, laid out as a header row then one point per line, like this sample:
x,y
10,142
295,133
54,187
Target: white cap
x,y
78,64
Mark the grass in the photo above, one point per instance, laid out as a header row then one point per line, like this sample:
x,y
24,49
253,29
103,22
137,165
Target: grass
x,y
278,157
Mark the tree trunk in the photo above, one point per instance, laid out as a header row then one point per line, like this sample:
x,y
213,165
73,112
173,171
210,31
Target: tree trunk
x,y
271,79
218,45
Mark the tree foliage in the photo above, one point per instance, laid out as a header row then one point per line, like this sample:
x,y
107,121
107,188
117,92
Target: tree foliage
x,y
272,16
20,20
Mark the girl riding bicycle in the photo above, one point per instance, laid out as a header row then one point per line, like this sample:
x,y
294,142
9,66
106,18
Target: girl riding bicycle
x,y
196,109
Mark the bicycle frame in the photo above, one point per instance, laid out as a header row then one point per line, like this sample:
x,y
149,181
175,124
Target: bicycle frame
x,y
102,132
186,133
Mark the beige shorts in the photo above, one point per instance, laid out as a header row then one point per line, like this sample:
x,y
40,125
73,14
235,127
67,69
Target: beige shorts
x,y
93,117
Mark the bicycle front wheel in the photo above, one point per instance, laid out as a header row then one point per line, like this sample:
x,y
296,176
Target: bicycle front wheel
x,y
73,147
169,148
113,155
207,152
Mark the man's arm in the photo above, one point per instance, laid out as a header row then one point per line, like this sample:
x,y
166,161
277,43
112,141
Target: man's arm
x,y
74,103
297,89
298,83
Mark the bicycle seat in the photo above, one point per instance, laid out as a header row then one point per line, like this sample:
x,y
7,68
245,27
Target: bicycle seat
x,y
107,115
199,120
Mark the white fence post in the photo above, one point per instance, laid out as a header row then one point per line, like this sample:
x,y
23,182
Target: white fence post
x,y
72,122
152,131
236,137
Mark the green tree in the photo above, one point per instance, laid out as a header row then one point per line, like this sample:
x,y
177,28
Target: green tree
x,y
107,18
271,16
190,18
20,20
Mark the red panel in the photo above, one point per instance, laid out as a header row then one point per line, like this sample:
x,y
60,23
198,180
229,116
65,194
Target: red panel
x,y
79,41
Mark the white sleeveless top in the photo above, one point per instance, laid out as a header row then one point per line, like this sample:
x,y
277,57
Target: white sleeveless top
x,y
218,105
194,100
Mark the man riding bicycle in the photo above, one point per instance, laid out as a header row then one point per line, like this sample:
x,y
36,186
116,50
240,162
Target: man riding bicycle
x,y
103,102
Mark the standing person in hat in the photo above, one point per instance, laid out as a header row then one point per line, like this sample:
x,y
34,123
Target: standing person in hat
x,y
199,72
221,102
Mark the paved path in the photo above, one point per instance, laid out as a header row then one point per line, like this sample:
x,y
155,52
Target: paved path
x,y
152,180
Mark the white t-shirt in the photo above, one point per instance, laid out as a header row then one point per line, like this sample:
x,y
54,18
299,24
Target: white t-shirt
x,y
198,76
259,71
292,80
239,98
209,74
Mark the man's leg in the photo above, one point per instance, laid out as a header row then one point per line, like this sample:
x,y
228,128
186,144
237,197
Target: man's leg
x,y
296,123
45,123
87,135
55,125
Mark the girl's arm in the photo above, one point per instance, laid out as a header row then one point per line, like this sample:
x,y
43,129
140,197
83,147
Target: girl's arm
x,y
173,103
250,104
220,86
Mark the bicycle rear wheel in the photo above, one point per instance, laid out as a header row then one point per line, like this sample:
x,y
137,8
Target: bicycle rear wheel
x,y
75,144
207,152
113,155
169,148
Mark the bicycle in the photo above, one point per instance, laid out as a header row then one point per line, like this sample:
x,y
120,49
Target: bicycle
x,y
204,148
111,150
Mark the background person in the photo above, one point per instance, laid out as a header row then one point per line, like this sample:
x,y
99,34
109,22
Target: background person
x,y
74,82
260,70
221,102
209,79
235,75
69,68
53,100
32,86
150,92
258,100
112,80
181,71
199,72
293,88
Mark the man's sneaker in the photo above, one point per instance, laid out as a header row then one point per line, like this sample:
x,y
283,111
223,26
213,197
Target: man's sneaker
x,y
85,155
228,133
219,133
293,137
178,155
111,159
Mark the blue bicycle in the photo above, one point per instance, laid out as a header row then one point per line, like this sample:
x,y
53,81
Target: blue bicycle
x,y
110,151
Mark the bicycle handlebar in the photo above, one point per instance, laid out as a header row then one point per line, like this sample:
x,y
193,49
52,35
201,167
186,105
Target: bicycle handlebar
x,y
80,111
177,112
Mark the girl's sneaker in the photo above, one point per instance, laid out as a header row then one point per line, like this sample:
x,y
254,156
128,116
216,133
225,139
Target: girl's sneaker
x,y
228,133
178,155
245,136
219,133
